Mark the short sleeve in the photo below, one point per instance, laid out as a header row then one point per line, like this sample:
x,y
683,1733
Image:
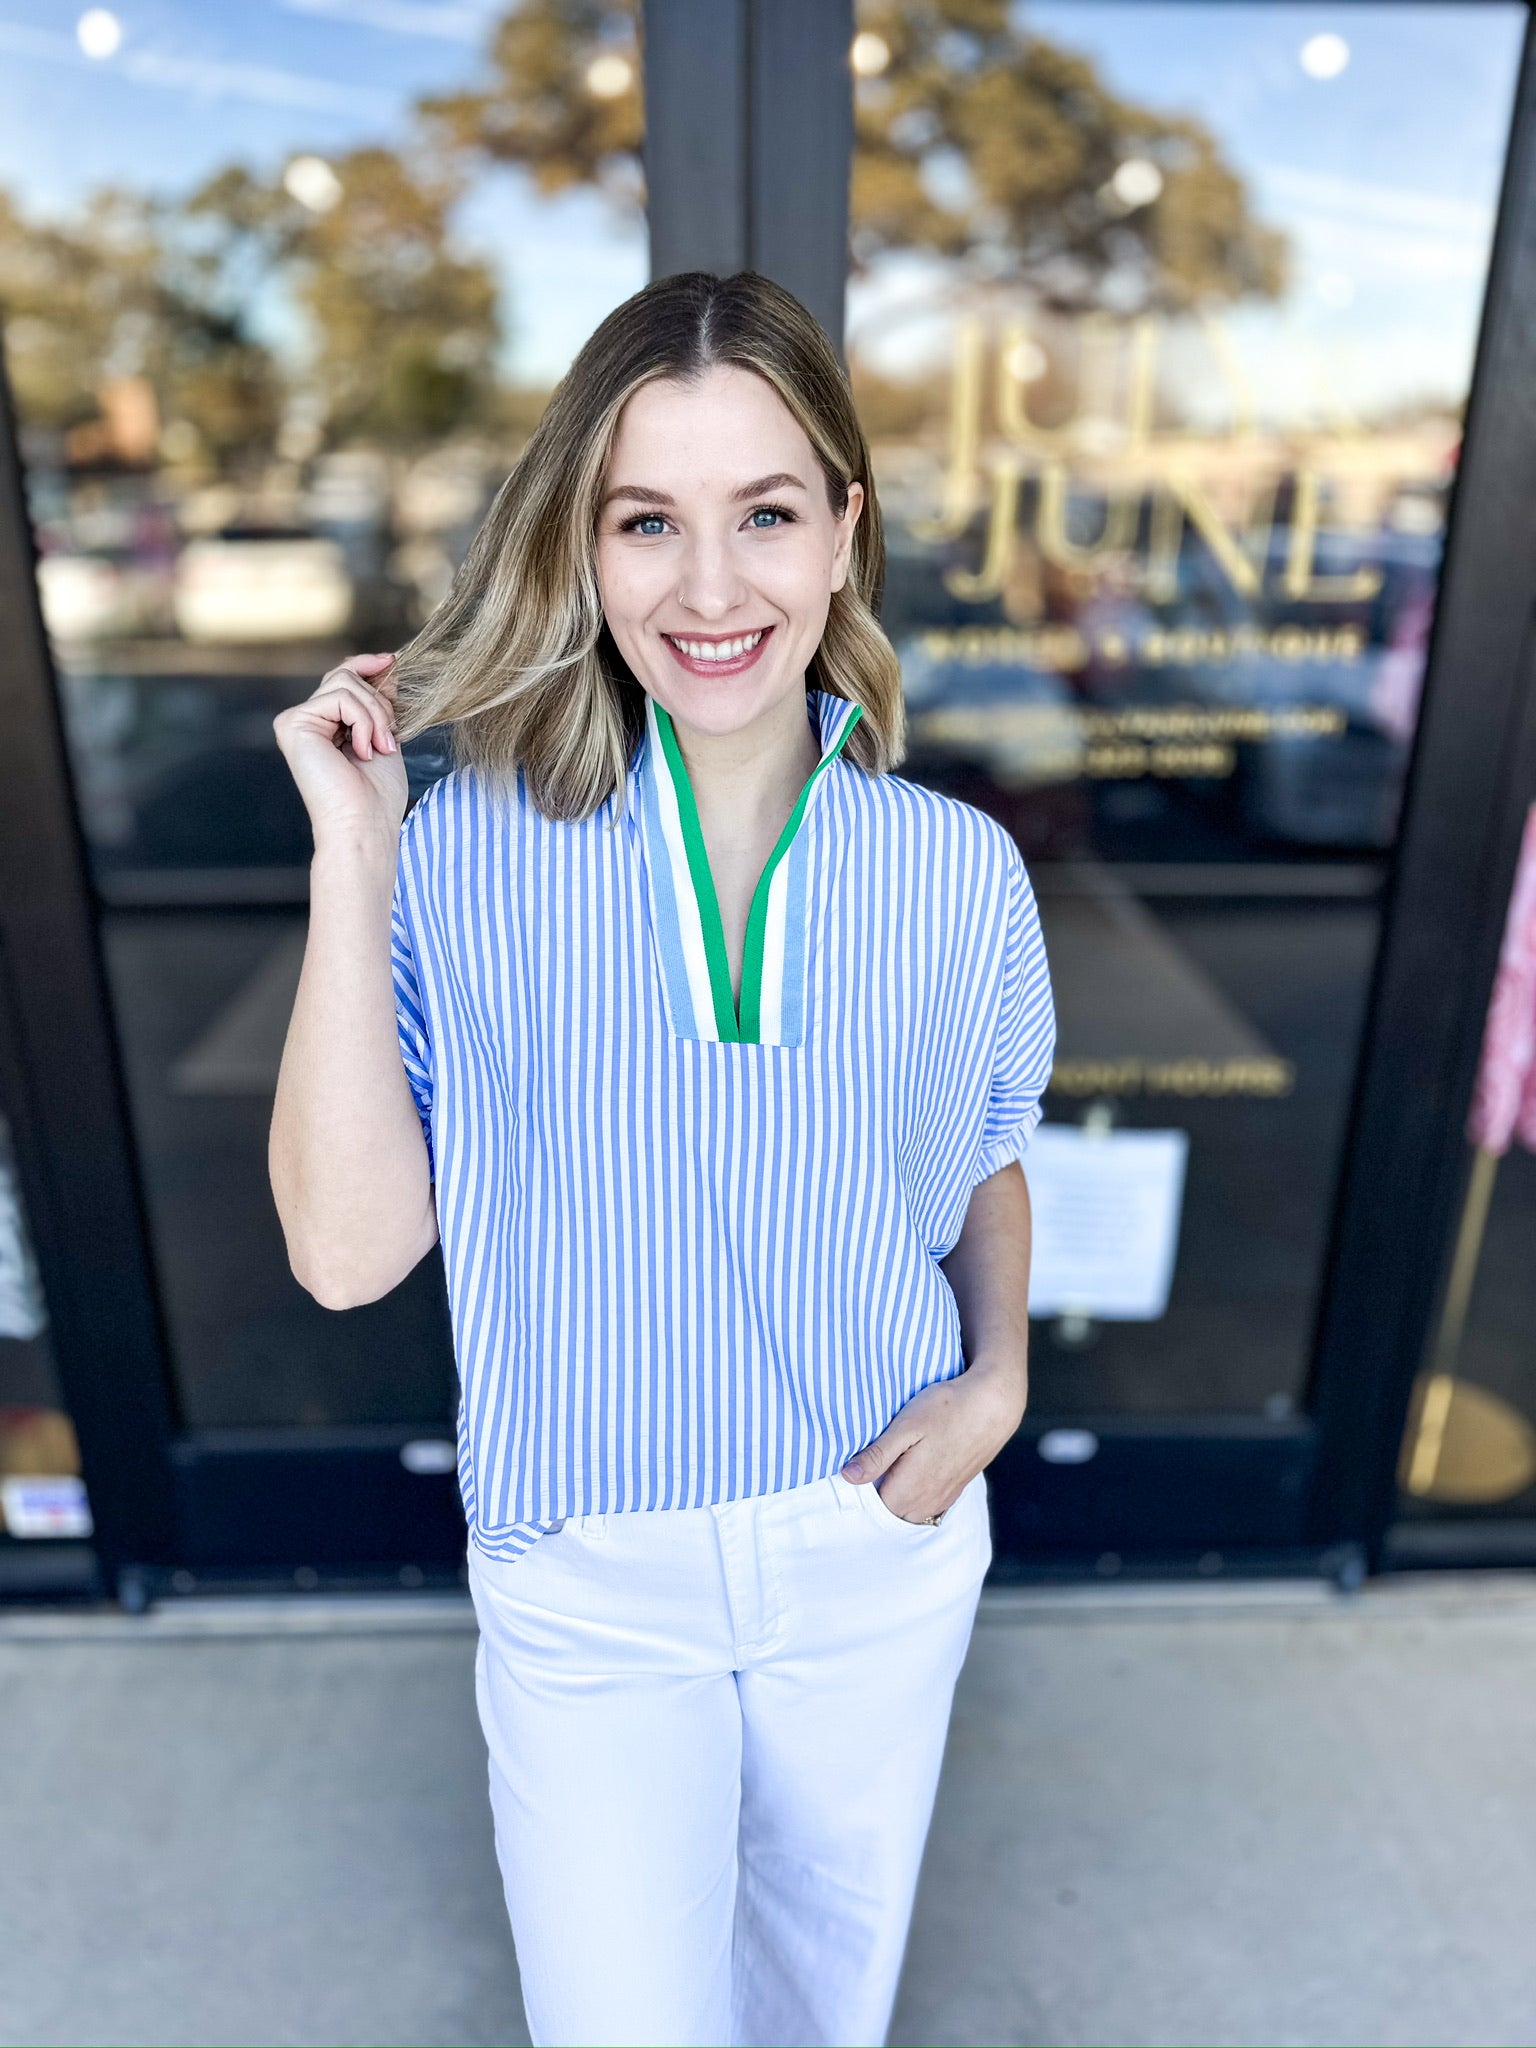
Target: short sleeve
x,y
1024,1039
411,1021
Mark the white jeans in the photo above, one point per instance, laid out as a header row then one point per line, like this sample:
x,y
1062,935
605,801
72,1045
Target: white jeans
x,y
715,1735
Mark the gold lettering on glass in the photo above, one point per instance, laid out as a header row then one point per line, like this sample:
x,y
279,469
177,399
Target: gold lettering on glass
x,y
1108,450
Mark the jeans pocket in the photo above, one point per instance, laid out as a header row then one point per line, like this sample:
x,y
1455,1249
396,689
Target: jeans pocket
x,y
882,1512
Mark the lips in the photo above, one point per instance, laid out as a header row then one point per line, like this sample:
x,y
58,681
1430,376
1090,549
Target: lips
x,y
717,655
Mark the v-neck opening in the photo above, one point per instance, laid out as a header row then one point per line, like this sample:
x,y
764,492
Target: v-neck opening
x,y
735,1023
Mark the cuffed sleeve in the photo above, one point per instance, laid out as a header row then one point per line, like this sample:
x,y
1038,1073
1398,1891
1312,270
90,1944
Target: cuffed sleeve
x,y
1024,1041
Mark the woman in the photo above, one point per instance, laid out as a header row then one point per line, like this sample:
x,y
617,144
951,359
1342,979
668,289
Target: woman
x,y
709,1046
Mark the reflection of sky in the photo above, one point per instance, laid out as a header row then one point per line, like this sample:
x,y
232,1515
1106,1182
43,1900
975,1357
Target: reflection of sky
x,y
1384,178
196,86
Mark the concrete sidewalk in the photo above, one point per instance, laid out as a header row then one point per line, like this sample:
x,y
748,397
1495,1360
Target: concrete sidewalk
x,y
1265,1815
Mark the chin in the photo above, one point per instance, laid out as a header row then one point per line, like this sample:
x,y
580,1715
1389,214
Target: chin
x,y
726,706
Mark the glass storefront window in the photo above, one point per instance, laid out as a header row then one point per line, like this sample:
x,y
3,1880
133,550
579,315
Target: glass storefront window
x,y
1162,323
278,313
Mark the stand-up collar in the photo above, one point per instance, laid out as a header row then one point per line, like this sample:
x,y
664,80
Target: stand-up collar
x,y
835,718
690,934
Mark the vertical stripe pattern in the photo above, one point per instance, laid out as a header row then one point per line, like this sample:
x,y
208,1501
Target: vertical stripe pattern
x,y
692,1255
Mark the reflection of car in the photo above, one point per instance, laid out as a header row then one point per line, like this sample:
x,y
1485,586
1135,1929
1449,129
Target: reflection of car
x,y
1019,722
98,595
1321,788
262,583
1340,789
1002,735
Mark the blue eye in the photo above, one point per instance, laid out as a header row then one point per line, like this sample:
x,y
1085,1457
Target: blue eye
x,y
761,519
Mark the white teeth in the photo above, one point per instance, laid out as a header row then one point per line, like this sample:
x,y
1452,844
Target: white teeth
x,y
716,650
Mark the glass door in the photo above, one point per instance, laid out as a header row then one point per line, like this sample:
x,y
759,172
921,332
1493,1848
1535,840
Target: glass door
x,y
275,331
1163,318
1187,338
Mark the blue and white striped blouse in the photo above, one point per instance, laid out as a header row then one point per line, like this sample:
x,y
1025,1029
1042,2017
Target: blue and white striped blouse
x,y
692,1244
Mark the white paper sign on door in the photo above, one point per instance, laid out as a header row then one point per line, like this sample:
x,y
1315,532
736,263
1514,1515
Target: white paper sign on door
x,y
1106,1220
33,1505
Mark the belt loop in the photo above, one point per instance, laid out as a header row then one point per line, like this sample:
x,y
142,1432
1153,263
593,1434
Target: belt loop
x,y
594,1525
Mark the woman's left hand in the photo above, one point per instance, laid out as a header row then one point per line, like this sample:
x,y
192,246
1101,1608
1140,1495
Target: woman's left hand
x,y
934,1446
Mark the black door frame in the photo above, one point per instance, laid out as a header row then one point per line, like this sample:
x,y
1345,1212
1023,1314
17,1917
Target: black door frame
x,y
62,1087
1472,779
749,106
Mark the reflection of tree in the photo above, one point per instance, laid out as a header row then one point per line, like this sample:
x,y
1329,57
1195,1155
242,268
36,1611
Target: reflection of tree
x,y
978,141
102,299
981,141
563,100
407,328
404,330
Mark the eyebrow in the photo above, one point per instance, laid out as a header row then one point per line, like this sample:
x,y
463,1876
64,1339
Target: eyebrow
x,y
642,494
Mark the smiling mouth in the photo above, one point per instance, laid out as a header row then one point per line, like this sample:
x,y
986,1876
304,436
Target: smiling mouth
x,y
725,656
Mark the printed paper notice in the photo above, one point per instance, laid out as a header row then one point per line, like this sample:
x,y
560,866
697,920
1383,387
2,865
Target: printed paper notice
x,y
1106,1220
44,1506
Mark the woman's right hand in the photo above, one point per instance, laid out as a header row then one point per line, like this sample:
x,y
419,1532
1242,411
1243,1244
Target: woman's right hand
x,y
340,745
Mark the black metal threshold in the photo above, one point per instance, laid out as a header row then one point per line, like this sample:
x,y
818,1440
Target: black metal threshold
x,y
49,1571
1462,1544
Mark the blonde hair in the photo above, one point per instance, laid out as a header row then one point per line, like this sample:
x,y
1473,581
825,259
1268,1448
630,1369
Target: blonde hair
x,y
516,661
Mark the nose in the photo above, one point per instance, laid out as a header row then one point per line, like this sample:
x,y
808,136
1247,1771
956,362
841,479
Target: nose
x,y
710,583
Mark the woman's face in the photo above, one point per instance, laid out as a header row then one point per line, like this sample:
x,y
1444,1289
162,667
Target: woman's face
x,y
717,552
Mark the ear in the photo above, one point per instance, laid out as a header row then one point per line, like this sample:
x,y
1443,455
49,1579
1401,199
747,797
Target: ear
x,y
842,550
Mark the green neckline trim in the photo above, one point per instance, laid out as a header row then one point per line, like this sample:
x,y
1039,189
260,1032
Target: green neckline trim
x,y
757,914
715,955
745,1029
